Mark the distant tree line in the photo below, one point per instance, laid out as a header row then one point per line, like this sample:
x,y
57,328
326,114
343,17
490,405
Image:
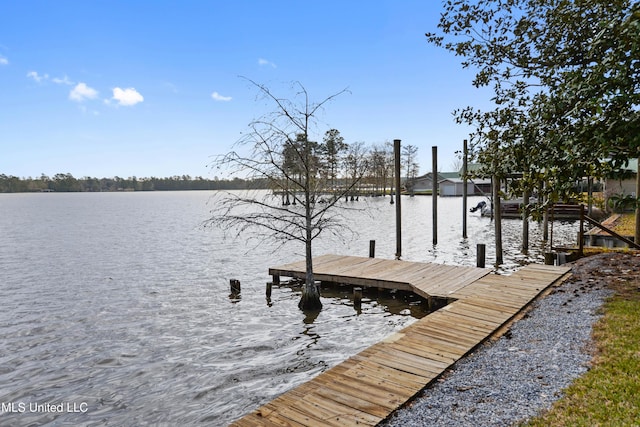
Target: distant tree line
x,y
65,182
338,160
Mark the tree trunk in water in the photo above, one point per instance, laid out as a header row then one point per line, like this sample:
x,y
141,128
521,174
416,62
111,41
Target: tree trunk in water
x,y
310,300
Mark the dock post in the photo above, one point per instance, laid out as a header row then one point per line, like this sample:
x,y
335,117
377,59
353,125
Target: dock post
x,y
269,285
481,250
430,304
525,220
234,284
434,192
497,217
581,233
549,258
357,298
372,248
396,153
464,189
276,279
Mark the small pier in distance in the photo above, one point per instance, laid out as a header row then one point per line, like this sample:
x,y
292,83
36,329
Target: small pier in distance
x,y
366,388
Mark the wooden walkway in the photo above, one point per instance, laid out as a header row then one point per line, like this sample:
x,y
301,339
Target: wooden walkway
x,y
368,387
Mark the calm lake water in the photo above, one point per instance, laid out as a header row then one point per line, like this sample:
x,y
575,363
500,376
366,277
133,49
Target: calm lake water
x,y
116,308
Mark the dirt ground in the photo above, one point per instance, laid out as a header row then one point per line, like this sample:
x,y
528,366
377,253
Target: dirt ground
x,y
614,270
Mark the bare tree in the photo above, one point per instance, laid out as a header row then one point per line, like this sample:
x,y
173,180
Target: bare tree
x,y
381,166
278,150
355,162
409,153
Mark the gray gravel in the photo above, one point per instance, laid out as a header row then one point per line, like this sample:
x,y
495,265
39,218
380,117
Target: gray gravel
x,y
512,379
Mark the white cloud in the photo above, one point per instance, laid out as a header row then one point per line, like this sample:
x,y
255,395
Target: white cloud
x,y
127,97
266,62
37,77
82,92
4,61
218,97
62,81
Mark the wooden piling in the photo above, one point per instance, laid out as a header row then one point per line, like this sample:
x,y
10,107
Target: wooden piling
x,y
396,152
498,219
464,189
430,304
372,248
525,221
269,286
234,285
357,297
549,258
434,192
581,232
481,250
276,279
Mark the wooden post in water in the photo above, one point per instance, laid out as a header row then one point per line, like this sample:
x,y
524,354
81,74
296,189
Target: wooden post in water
x,y
276,279
234,284
525,221
590,195
545,217
372,248
269,285
581,232
481,251
434,193
464,189
357,298
396,153
497,215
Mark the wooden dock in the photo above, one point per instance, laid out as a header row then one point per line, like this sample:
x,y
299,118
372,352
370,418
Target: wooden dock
x,y
425,279
368,387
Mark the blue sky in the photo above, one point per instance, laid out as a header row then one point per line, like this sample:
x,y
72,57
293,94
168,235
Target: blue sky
x,y
153,88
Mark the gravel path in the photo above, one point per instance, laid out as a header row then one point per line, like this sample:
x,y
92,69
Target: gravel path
x,y
508,381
